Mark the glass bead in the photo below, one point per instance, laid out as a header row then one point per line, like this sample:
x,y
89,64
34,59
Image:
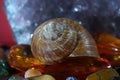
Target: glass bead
x,y
71,78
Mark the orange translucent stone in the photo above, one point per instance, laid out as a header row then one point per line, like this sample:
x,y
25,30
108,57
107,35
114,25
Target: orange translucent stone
x,y
108,47
21,58
76,67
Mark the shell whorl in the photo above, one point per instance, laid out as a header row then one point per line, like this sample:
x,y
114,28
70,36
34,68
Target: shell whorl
x,y
58,38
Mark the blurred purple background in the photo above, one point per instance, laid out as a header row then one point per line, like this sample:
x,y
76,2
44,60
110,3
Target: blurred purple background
x,y
95,15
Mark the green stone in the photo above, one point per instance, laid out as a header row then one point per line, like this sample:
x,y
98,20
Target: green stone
x,y
4,68
3,71
16,78
4,64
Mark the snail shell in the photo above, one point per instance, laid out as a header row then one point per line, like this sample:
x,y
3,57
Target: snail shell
x,y
58,38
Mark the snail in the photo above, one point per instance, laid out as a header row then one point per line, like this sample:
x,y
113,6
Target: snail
x,y
58,38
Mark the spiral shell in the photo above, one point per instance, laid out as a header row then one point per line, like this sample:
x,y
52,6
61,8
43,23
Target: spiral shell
x,y
58,38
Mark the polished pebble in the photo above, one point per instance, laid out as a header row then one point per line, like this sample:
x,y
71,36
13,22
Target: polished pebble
x,y
104,74
32,72
43,77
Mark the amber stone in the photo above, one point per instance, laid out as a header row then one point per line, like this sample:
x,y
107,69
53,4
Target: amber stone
x,y
21,58
108,47
76,67
104,74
